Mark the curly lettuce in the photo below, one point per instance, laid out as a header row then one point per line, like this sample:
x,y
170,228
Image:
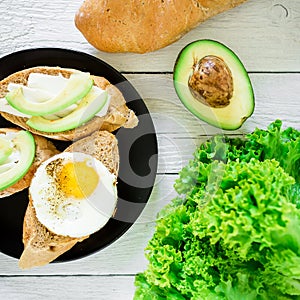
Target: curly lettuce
x,y
273,143
233,231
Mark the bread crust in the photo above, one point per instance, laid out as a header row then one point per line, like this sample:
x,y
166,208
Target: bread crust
x,y
44,150
118,113
102,145
42,246
143,26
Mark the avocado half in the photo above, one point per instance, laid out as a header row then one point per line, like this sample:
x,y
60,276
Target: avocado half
x,y
212,83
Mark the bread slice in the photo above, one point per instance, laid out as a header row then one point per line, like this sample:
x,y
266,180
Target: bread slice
x,y
44,150
118,114
42,246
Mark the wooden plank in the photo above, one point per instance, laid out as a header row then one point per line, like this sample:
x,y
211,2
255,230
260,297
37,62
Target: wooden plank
x,y
70,287
276,97
258,31
264,34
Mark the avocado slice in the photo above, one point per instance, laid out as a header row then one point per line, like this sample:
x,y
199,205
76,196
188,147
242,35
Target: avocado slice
x,y
76,88
25,144
212,83
88,107
5,150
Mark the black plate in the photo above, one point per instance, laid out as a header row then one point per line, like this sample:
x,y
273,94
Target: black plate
x,y
137,146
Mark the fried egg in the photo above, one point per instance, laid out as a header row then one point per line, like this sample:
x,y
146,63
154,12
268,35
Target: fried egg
x,y
73,194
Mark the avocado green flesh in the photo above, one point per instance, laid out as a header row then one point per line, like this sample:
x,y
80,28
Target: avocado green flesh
x,y
24,143
77,87
5,150
241,104
86,110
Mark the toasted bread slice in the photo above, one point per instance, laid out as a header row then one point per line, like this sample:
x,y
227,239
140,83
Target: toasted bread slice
x,y
42,246
118,114
44,150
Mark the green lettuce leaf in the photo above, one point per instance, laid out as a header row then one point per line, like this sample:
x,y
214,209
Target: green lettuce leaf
x,y
233,231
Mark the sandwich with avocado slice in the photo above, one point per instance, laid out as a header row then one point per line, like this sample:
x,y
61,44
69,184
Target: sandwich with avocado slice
x,y
63,104
20,155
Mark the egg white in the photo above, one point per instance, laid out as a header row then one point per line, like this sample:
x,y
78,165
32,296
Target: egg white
x,y
68,216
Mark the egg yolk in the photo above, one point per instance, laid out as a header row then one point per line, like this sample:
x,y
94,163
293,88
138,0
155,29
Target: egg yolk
x,y
77,179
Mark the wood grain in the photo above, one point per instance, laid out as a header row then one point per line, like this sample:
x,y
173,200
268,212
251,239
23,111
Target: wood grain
x,y
266,37
92,287
276,96
258,31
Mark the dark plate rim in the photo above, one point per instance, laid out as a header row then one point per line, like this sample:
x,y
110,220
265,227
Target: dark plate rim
x,y
64,51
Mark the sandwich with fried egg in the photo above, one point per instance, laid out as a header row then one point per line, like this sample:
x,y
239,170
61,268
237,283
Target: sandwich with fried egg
x,y
71,196
20,155
63,104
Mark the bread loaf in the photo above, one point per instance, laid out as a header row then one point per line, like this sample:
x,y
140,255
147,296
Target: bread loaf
x,y
118,113
143,26
42,246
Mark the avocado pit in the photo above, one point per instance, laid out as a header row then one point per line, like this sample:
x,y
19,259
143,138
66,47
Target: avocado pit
x,y
211,82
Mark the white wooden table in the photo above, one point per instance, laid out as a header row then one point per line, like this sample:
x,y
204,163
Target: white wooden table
x,y
266,37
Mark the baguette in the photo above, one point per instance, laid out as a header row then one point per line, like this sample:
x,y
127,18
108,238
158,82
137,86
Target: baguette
x,y
44,150
42,246
118,113
143,26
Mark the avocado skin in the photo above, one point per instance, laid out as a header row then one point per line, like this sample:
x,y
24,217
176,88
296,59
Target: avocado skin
x,y
243,103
